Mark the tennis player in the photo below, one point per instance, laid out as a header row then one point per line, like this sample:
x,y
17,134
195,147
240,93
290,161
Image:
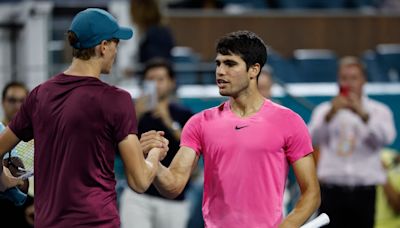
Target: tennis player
x,y
79,123
247,144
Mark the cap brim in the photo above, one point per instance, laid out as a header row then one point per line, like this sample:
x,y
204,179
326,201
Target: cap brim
x,y
124,33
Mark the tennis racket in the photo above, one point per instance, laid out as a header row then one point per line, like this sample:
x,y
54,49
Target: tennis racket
x,y
321,220
20,164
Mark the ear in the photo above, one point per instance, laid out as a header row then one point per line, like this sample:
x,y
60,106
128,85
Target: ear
x,y
103,47
254,70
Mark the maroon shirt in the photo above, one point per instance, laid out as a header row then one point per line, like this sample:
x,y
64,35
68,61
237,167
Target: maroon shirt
x,y
77,123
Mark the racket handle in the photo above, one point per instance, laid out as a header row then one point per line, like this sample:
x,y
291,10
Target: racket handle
x,y
26,175
15,195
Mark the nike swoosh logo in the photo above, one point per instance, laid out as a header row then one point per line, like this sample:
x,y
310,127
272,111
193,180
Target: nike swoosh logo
x,y
240,127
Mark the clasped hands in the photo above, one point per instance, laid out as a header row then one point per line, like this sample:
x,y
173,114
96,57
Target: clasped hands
x,y
154,141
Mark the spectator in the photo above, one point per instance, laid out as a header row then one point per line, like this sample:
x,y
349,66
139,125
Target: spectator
x,y
13,95
350,131
151,210
155,38
265,81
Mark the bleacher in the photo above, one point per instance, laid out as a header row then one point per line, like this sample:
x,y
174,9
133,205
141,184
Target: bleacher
x,y
305,66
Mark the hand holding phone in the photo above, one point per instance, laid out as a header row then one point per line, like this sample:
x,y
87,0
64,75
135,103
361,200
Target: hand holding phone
x,y
150,92
344,91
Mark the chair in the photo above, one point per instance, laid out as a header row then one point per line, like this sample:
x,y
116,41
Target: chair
x,y
388,57
185,62
373,70
283,69
316,65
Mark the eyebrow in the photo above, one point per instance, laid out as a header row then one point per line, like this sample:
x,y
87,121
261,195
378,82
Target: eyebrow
x,y
227,61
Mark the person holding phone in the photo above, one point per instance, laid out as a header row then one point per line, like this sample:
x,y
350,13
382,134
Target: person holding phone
x,y
159,112
350,130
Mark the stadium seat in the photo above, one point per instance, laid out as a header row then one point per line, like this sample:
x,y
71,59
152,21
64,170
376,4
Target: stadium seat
x,y
283,69
185,62
374,71
316,65
208,72
388,57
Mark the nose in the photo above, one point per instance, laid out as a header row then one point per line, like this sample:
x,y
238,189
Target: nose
x,y
220,71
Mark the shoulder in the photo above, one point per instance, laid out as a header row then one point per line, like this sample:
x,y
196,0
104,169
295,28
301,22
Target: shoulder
x,y
377,104
115,99
268,104
322,107
206,114
377,108
279,109
33,94
215,111
282,115
115,92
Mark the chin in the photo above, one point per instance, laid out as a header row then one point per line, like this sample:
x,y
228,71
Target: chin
x,y
224,93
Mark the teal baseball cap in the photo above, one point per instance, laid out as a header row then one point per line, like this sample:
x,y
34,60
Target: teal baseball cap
x,y
93,25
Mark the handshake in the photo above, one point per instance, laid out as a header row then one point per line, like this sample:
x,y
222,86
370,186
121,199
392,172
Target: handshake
x,y
153,142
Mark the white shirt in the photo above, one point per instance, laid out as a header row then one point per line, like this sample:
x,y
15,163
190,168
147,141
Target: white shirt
x,y
349,148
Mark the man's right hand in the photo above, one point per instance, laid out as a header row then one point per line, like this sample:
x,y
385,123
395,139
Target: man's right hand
x,y
162,152
338,102
153,139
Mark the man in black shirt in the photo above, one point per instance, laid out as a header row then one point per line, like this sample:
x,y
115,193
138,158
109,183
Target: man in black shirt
x,y
161,114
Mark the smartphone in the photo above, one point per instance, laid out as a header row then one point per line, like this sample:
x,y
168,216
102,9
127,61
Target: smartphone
x,y
344,91
149,91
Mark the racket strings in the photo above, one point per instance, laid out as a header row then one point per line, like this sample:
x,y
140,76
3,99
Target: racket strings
x,y
25,152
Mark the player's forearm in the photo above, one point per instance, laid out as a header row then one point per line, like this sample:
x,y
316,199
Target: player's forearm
x,y
167,183
141,179
305,207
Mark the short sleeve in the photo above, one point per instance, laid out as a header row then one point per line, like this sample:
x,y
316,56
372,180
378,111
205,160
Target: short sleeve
x,y
298,142
21,125
191,134
120,113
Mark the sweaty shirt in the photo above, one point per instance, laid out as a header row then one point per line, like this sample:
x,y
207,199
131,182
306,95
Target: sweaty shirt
x,y
246,162
77,123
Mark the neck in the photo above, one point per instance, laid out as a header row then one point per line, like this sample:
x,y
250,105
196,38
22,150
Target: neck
x,y
88,68
247,104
